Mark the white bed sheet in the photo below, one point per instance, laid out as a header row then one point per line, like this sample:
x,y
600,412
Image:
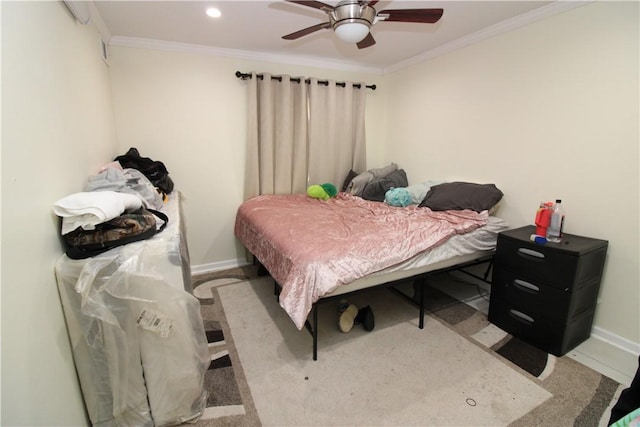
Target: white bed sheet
x,y
457,250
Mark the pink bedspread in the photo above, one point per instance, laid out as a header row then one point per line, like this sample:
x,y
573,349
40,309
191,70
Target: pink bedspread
x,y
311,246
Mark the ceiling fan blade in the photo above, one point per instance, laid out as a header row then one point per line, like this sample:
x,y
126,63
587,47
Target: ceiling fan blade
x,y
306,31
372,2
313,4
427,16
366,42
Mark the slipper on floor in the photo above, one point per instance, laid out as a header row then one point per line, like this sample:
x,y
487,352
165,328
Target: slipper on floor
x,y
365,317
348,317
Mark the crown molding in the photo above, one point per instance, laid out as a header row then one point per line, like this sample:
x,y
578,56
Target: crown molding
x,y
511,24
309,61
99,22
80,10
506,26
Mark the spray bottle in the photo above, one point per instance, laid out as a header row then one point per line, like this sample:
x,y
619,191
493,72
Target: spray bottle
x,y
543,218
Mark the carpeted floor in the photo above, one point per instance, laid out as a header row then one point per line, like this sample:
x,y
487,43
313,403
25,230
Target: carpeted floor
x,y
534,388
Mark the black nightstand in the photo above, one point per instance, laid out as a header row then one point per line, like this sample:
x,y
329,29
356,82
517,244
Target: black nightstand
x,y
546,294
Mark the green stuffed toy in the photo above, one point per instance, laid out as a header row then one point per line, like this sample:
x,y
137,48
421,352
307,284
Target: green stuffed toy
x,y
322,192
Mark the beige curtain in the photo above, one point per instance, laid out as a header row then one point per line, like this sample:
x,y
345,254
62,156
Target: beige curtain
x,y
277,136
302,134
336,131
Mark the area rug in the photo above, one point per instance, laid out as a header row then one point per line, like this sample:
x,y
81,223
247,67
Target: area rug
x,y
229,400
458,370
581,396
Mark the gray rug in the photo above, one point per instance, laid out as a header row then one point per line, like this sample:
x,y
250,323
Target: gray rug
x,y
229,402
262,372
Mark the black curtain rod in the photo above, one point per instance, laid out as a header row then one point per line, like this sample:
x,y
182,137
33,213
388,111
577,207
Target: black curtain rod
x,y
245,76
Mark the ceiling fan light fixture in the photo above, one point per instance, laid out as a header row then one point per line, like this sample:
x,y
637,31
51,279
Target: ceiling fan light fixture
x,y
351,32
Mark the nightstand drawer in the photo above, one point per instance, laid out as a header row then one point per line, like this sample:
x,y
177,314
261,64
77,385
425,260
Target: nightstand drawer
x,y
554,268
534,297
575,260
541,332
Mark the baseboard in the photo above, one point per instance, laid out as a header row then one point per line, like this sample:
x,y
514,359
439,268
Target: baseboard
x,y
615,340
218,266
609,354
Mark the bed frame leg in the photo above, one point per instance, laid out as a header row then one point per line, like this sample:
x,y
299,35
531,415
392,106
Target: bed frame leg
x,y
488,271
315,332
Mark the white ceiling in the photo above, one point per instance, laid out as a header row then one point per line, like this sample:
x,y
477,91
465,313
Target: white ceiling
x,y
255,29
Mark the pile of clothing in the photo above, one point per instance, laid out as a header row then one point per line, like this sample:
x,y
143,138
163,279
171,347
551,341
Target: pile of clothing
x,y
124,185
107,195
118,206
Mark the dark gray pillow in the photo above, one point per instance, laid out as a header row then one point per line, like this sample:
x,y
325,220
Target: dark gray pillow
x,y
377,188
399,178
462,195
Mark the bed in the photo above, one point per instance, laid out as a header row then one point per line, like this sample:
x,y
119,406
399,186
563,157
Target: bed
x,y
317,250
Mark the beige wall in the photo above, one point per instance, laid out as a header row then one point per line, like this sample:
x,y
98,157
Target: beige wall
x,y
189,110
57,127
547,111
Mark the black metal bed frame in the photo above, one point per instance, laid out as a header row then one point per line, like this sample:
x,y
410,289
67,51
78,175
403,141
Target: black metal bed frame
x,y
419,281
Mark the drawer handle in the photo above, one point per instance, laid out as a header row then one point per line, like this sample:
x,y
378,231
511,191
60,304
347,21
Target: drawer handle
x,y
522,317
530,254
525,286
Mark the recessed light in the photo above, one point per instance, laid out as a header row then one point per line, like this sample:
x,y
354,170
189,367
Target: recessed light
x,y
214,13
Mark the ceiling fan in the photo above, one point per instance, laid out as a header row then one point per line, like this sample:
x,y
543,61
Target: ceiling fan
x,y
351,20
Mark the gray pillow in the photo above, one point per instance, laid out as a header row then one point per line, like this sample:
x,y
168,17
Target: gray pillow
x,y
382,172
398,178
359,182
377,188
462,195
420,190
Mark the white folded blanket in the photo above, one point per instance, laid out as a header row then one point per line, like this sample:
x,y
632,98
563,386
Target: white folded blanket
x,y
87,209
